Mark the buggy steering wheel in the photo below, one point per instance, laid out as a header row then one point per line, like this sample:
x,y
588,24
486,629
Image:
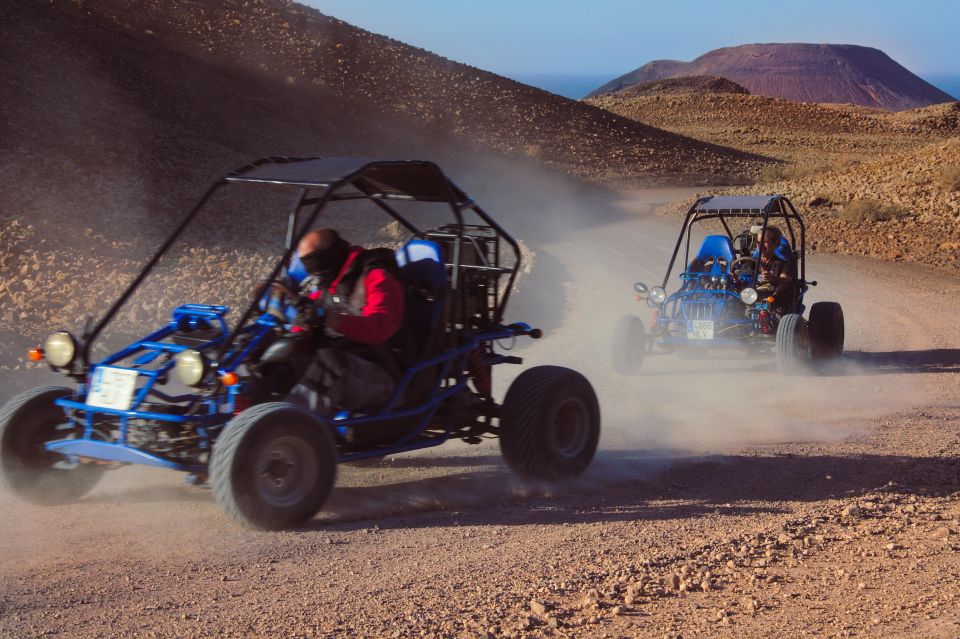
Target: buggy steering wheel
x,y
742,265
276,296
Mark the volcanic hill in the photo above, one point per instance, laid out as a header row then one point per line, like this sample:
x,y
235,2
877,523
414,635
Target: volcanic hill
x,y
826,73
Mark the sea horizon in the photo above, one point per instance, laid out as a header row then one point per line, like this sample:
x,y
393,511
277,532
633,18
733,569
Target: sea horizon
x,y
577,85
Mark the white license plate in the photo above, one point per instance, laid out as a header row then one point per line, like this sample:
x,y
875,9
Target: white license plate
x,y
699,329
112,388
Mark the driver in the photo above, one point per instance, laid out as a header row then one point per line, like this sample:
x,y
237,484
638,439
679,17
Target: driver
x,y
776,276
362,298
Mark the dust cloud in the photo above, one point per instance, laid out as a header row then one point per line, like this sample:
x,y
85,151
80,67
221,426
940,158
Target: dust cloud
x,y
715,403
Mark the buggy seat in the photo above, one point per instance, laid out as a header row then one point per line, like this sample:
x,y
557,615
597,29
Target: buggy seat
x,y
425,278
717,251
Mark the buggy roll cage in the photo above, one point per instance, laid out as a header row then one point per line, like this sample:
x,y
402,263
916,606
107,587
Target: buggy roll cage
x,y
335,179
723,208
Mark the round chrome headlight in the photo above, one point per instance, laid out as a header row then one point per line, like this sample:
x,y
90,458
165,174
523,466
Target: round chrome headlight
x,y
190,367
60,348
749,296
658,295
641,288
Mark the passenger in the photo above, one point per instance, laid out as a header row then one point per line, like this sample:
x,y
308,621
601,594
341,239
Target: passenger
x,y
359,290
776,276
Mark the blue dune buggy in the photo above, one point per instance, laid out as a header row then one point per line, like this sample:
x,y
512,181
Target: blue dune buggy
x,y
722,301
272,464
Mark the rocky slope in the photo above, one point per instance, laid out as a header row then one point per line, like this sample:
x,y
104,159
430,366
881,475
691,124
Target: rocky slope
x,y
901,207
837,73
812,135
114,108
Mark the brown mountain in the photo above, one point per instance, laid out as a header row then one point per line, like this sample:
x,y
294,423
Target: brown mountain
x,y
838,73
112,107
684,85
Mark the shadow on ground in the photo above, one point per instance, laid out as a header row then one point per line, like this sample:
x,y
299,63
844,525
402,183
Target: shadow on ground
x,y
632,485
619,486
938,360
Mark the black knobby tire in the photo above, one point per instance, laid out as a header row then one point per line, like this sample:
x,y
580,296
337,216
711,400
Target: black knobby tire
x,y
793,345
273,466
826,330
549,423
27,469
629,345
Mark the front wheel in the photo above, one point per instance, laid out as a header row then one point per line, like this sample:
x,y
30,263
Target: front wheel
x,y
549,424
27,469
273,467
792,345
629,345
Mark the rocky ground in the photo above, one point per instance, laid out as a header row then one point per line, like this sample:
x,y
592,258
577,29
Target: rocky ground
x,y
919,212
852,539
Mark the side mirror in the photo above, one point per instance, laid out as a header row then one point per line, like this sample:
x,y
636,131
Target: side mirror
x,y
641,288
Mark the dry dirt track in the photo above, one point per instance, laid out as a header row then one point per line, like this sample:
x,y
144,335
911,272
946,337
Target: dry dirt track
x,y
725,500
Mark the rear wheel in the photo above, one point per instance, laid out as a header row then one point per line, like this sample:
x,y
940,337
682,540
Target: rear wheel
x,y
826,330
273,467
792,345
629,345
27,469
550,423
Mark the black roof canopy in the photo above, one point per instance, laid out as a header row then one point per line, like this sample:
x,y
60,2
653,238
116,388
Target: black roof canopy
x,y
737,203
402,179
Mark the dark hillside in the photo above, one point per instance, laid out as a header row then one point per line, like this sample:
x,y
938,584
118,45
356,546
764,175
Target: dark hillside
x,y
112,108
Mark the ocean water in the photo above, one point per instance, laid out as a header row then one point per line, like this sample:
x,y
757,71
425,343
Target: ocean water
x,y
577,85
947,82
569,85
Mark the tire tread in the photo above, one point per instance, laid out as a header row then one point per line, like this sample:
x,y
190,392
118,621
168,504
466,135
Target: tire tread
x,y
522,408
223,458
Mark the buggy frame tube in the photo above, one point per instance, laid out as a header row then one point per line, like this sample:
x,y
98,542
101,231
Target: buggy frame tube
x,y
292,218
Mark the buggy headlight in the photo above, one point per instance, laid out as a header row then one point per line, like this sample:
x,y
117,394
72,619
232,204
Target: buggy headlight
x,y
641,288
658,295
60,348
749,296
190,367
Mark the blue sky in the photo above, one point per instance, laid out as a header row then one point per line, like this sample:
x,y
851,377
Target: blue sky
x,y
616,36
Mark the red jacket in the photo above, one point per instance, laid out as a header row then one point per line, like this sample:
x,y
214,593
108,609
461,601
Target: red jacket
x,y
381,315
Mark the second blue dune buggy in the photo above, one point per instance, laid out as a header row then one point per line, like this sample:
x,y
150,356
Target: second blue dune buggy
x,y
722,301
272,464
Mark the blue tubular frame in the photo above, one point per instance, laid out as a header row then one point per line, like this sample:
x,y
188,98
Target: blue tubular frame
x,y
412,440
452,366
716,300
185,316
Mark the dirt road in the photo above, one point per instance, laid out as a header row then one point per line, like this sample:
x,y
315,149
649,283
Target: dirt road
x,y
726,501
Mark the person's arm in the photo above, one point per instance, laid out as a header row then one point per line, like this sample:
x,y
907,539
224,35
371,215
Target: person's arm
x,y
381,316
785,279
